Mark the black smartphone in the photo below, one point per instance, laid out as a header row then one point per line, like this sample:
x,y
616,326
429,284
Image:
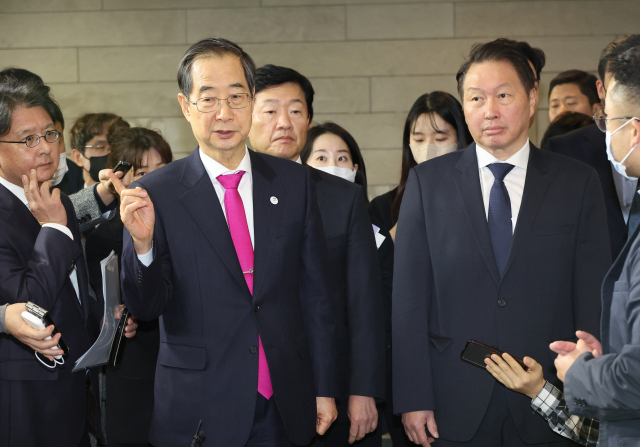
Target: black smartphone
x,y
475,352
123,166
117,337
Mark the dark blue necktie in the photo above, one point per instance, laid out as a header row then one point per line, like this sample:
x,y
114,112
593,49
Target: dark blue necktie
x,y
500,226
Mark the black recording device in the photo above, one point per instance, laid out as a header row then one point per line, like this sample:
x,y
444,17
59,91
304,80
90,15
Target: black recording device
x,y
123,166
200,436
117,337
475,353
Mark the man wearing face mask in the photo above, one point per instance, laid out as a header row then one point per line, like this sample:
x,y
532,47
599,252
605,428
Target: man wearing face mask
x,y
601,381
281,117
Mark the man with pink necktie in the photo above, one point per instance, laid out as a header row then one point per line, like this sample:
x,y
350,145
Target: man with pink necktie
x,y
227,247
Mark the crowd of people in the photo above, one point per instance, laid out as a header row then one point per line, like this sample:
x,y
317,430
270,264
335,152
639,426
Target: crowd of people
x,y
274,304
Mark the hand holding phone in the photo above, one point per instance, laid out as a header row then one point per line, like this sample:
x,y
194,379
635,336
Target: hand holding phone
x,y
475,352
123,166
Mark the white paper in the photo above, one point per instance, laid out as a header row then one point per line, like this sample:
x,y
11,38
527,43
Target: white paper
x,y
98,354
379,238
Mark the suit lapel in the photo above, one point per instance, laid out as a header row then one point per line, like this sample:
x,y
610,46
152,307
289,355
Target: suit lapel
x,y
17,214
201,201
470,192
266,216
535,186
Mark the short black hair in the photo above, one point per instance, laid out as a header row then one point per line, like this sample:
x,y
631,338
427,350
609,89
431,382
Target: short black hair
x,y
586,83
625,69
563,124
272,76
497,50
15,94
535,55
354,149
217,46
615,48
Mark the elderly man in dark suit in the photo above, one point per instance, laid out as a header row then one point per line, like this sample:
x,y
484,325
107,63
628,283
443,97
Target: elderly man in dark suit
x,y
602,381
226,246
501,243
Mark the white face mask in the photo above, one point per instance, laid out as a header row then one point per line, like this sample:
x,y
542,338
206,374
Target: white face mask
x,y
428,151
61,171
619,165
344,173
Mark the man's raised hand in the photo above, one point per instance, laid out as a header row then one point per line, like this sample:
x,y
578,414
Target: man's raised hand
x,y
44,203
137,214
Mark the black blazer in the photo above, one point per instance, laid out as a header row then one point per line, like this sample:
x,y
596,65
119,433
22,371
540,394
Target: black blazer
x,y
40,406
73,181
354,275
588,145
209,321
447,289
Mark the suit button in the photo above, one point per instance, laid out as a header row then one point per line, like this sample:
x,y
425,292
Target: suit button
x,y
502,303
253,349
71,267
256,308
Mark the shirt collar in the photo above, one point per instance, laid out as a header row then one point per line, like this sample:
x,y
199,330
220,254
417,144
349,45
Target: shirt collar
x,y
520,159
16,190
214,169
299,160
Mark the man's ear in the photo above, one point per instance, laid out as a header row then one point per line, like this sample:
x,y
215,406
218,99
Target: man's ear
x,y
184,105
635,133
601,91
533,100
77,157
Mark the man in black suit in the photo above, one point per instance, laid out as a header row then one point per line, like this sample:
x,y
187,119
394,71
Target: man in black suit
x,y
587,145
41,261
281,118
501,243
247,347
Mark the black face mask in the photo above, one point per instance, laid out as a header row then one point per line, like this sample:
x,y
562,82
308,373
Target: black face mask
x,y
97,164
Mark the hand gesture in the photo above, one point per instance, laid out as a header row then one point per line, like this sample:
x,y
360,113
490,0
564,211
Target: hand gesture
x,y
132,322
509,372
586,343
137,214
31,337
363,415
414,425
106,183
44,203
327,413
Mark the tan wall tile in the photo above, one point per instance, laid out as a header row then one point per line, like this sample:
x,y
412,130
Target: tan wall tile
x,y
149,99
413,21
342,95
397,94
49,5
53,65
383,166
377,130
177,132
268,24
172,4
94,29
541,18
566,53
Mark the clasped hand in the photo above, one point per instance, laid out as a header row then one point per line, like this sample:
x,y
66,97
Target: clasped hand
x,y
568,352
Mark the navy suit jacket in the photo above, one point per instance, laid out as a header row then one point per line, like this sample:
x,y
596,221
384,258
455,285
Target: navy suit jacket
x,y
447,290
607,388
209,321
40,406
354,275
588,146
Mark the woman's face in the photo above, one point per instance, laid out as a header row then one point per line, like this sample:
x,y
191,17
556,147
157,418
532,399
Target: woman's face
x,y
427,142
151,161
331,150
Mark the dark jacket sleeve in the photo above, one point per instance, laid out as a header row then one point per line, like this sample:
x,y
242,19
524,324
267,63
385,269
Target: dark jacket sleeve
x,y
412,295
317,304
364,306
592,260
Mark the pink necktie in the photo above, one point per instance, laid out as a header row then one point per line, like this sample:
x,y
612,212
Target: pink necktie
x,y
237,220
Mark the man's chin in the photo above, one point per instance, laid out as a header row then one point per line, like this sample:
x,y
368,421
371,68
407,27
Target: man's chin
x,y
288,151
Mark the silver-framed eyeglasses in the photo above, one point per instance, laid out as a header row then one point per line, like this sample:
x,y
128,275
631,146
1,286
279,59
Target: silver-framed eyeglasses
x,y
601,119
209,104
49,136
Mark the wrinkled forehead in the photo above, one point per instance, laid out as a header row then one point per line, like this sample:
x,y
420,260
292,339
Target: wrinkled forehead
x,y
217,72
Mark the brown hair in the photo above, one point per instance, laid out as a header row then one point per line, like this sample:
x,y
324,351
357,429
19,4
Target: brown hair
x,y
92,124
131,144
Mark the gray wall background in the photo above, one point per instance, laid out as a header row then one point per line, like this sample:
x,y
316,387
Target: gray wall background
x,y
367,59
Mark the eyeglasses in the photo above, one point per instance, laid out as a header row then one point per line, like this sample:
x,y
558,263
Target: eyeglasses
x,y
32,140
236,101
98,147
601,119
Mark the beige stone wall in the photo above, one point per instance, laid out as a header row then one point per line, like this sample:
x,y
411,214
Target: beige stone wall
x,y
368,59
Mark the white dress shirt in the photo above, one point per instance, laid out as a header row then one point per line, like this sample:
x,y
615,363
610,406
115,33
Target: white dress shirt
x,y
245,189
625,189
18,191
514,180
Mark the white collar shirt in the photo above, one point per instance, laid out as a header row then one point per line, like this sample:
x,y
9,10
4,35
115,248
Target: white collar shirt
x,y
625,189
19,193
514,180
245,188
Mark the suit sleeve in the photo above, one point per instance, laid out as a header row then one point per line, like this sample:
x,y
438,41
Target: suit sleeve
x,y
608,387
87,209
317,304
364,306
146,290
592,259
412,295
